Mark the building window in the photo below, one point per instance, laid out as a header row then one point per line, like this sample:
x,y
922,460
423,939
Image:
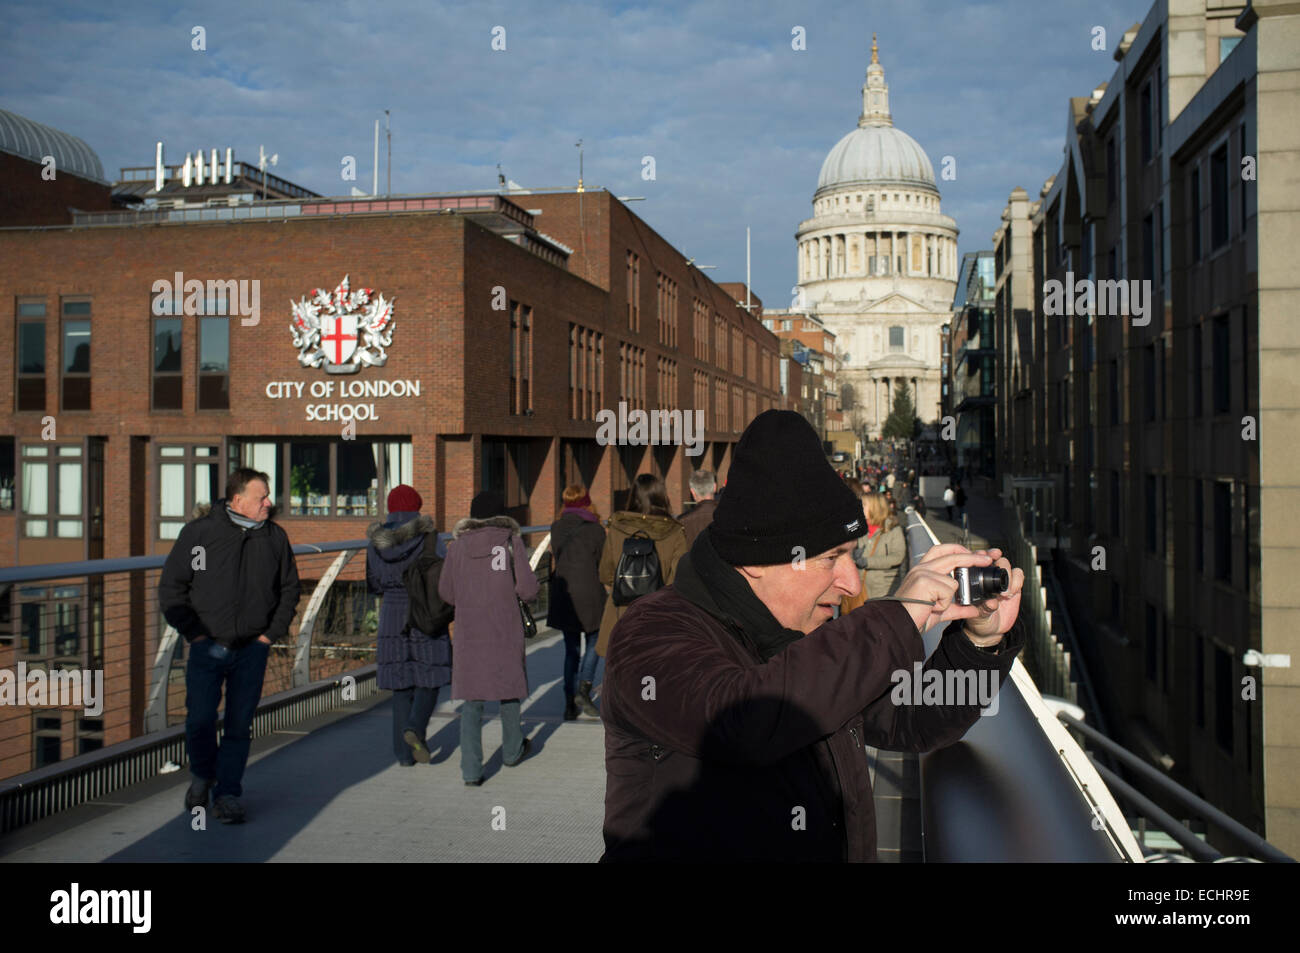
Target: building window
x,y
339,478
506,470
667,302
51,490
47,740
31,356
75,382
1241,183
896,339
787,325
1198,647
1112,172
50,622
521,358
1194,212
1219,185
188,475
8,472
1146,123
1221,356
586,370
1226,45
1223,696
1223,530
1198,376
214,364
90,734
633,292
167,376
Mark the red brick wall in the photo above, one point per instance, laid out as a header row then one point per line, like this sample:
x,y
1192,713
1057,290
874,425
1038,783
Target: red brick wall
x,y
28,199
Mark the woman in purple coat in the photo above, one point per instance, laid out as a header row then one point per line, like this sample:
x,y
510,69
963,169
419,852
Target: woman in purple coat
x,y
413,664
489,661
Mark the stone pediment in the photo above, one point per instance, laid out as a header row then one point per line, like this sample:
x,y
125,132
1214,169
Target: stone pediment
x,y
897,303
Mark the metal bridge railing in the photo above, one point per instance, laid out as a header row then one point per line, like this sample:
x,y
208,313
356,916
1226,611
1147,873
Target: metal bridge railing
x,y
78,614
1017,787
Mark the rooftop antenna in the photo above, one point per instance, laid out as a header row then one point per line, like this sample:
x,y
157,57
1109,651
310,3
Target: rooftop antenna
x,y
374,178
749,306
389,129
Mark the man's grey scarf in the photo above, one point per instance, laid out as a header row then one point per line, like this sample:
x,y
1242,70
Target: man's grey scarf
x,y
242,521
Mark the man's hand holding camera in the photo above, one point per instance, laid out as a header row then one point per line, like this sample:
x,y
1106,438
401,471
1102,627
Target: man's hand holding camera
x,y
939,596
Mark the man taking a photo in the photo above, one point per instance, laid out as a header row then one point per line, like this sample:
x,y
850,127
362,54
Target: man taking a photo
x,y
736,711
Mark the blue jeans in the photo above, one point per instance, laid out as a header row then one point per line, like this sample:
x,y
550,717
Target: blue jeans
x,y
471,736
572,672
241,670
412,708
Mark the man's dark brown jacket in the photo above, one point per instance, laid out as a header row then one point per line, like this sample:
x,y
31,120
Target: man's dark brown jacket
x,y
712,754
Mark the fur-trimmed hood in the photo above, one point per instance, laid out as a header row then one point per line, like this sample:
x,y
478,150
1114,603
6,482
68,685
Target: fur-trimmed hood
x,y
383,536
470,524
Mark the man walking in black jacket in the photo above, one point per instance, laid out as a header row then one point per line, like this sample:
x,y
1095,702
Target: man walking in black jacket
x,y
230,587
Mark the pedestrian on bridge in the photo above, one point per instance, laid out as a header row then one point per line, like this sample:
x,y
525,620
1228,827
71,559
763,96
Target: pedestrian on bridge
x,y
577,598
486,569
230,587
411,663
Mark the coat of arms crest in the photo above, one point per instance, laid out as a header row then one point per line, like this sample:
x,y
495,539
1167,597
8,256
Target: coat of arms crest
x,y
343,330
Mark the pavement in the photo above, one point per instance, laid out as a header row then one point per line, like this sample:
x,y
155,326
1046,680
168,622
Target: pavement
x,y
330,789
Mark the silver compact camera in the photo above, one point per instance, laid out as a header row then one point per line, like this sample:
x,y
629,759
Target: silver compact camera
x,y
977,583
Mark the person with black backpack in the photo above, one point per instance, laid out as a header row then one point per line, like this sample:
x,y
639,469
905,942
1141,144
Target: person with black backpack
x,y
641,551
414,651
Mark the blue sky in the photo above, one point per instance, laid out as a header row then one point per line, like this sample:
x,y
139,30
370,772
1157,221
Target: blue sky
x,y
738,122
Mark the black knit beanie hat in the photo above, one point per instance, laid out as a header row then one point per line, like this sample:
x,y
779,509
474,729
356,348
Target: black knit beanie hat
x,y
781,493
487,505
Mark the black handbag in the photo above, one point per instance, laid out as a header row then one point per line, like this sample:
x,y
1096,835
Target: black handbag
x,y
525,614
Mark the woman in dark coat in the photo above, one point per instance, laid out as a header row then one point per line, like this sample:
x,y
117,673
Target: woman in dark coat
x,y
484,554
577,597
412,664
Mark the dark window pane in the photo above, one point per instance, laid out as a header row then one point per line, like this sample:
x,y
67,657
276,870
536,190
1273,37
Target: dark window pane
x,y
31,393
76,347
31,628
76,393
89,744
214,392
1223,531
47,750
1195,214
31,309
67,632
167,393
167,345
357,470
214,344
31,347
309,478
71,308
1219,197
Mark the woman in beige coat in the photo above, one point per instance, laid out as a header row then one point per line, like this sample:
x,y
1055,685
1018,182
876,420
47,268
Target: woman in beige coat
x,y
647,512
